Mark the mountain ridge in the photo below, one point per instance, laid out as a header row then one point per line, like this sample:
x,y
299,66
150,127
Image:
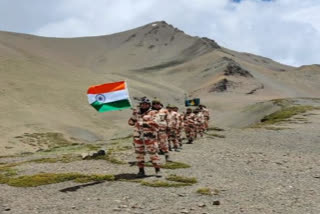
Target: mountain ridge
x,y
45,79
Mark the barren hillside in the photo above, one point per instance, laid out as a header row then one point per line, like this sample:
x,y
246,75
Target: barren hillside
x,y
44,80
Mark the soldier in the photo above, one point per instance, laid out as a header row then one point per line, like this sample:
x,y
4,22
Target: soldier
x,y
161,115
172,126
189,125
144,136
196,123
200,121
179,125
206,114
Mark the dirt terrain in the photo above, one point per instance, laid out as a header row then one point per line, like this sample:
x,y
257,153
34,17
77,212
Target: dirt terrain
x,y
270,169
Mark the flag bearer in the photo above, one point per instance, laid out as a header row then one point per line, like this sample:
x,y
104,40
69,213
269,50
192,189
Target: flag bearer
x,y
145,136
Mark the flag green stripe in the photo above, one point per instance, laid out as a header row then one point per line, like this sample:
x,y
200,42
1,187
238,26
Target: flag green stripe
x,y
113,106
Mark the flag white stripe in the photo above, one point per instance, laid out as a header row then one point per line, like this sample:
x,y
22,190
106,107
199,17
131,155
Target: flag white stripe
x,y
109,97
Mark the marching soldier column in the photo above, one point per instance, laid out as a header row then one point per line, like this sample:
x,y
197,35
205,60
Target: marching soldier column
x,y
157,130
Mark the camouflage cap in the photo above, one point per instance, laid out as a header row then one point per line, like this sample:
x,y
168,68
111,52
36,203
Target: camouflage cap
x,y
156,100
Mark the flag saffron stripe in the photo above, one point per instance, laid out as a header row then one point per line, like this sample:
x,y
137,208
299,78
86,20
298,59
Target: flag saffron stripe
x,y
108,87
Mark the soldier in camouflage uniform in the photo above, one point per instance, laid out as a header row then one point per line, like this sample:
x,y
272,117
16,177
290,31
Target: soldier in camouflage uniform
x,y
172,126
161,117
206,114
196,123
179,125
200,121
189,125
145,136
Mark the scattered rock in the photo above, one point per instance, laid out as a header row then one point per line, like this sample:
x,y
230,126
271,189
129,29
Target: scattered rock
x,y
7,209
234,68
217,203
221,86
210,43
93,154
135,206
184,211
201,205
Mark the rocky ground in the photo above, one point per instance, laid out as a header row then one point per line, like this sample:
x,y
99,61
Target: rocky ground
x,y
253,170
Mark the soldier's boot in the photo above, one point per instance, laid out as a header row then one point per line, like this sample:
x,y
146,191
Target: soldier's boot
x,y
190,141
168,158
161,152
158,173
180,144
141,173
170,148
176,149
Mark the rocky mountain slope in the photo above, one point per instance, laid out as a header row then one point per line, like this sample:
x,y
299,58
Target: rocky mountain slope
x,y
44,80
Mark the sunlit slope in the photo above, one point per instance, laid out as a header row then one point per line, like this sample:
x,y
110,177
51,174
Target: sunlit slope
x,y
44,80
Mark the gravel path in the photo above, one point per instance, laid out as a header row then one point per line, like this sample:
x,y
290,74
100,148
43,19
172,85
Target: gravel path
x,y
250,170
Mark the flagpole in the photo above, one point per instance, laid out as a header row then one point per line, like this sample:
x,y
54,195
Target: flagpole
x,y
127,89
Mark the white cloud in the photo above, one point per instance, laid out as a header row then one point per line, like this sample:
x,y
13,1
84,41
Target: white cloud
x,y
284,30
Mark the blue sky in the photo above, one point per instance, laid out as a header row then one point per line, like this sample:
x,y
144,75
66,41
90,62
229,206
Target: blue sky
x,y
287,31
238,1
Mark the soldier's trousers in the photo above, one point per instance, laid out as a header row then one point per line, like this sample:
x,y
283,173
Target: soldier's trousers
x,y
190,132
163,141
178,135
146,144
206,123
173,138
201,129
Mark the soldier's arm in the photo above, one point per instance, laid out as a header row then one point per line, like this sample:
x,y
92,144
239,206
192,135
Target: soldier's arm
x,y
133,119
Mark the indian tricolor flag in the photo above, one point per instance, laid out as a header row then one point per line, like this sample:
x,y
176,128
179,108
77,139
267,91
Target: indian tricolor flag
x,y
109,97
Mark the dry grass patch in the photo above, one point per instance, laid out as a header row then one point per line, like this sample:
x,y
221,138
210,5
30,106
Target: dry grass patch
x,y
215,135
170,165
204,191
175,181
208,191
175,165
64,159
51,178
275,128
178,178
163,184
285,114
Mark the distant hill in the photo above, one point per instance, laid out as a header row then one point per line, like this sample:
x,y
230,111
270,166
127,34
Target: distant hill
x,y
44,80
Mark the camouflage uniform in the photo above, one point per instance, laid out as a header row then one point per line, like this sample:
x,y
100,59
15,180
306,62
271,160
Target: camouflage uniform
x,y
172,129
189,125
161,118
206,114
196,123
179,126
200,123
145,137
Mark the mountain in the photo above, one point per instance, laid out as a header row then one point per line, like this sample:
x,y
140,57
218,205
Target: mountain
x,y
44,80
